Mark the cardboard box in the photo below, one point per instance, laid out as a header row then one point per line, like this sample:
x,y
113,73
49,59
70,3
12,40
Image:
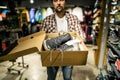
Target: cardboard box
x,y
33,43
65,58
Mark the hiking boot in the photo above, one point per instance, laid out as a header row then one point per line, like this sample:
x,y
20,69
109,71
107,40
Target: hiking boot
x,y
111,55
113,37
65,47
53,43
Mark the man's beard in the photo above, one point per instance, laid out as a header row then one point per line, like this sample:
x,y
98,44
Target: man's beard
x,y
61,9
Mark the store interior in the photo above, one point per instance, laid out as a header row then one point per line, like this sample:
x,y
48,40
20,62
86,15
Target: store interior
x,y
22,19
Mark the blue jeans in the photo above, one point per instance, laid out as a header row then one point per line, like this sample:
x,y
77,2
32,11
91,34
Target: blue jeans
x,y
52,72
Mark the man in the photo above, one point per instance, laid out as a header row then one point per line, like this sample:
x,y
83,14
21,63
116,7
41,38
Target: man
x,y
57,22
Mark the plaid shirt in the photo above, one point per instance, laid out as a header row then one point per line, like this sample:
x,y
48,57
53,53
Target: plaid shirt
x,y
49,24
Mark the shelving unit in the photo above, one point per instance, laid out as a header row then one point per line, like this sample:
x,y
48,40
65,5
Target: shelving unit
x,y
113,41
9,30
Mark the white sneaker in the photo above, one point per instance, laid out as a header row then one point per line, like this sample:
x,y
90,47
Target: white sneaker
x,y
114,3
112,20
113,12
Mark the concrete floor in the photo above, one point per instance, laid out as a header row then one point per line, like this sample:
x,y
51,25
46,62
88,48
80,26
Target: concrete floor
x,y
35,71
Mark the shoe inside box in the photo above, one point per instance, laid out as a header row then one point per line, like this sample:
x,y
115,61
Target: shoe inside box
x,y
74,41
64,58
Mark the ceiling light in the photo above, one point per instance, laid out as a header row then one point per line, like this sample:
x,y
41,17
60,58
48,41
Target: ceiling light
x,y
31,1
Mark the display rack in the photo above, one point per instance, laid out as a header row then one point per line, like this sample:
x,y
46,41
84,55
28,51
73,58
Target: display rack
x,y
113,41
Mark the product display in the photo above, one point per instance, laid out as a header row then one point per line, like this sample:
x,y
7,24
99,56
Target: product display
x,y
78,12
9,48
113,40
25,15
39,15
32,15
43,12
111,56
117,64
49,11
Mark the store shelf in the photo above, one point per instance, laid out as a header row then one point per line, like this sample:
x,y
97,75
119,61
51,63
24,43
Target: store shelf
x,y
112,43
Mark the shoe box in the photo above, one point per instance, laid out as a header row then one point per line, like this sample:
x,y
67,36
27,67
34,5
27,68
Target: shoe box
x,y
34,43
64,58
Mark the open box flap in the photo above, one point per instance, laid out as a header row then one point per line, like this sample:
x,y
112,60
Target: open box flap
x,y
31,41
26,45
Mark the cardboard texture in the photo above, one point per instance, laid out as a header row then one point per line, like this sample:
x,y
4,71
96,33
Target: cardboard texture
x,y
26,45
66,58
